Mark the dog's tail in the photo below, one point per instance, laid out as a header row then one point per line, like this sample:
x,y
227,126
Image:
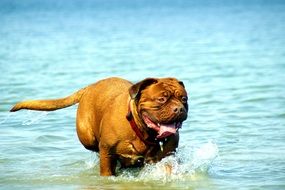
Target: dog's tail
x,y
49,105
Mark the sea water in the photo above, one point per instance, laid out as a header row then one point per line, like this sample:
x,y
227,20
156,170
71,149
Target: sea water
x,y
229,54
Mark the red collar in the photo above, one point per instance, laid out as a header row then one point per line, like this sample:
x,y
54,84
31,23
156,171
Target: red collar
x,y
134,126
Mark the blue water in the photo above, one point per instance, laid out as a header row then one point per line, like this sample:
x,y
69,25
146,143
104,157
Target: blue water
x,y
229,54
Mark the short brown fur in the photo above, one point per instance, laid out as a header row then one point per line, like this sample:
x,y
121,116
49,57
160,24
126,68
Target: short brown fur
x,y
101,119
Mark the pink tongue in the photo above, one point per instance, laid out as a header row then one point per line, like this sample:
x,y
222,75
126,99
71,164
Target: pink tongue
x,y
166,130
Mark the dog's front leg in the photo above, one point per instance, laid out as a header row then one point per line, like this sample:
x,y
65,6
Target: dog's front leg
x,y
107,162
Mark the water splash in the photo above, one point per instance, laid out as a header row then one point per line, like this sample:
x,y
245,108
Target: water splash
x,y
204,156
184,165
93,161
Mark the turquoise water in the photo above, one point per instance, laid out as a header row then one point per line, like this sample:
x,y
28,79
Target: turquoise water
x,y
230,55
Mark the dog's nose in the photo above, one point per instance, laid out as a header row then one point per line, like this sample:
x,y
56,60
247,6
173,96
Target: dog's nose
x,y
179,109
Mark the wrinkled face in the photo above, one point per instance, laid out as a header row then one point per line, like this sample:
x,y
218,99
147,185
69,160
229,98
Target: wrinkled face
x,y
163,106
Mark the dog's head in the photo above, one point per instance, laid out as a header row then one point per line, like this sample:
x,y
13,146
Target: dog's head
x,y
161,104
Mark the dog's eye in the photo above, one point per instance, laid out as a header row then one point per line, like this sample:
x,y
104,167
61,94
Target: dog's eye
x,y
161,100
184,99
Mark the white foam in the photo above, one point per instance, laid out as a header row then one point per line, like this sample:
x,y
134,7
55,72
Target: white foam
x,y
93,161
185,164
204,156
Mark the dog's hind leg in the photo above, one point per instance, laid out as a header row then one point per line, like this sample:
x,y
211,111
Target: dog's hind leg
x,y
86,136
84,128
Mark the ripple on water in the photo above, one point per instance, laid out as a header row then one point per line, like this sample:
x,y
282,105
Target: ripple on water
x,y
49,138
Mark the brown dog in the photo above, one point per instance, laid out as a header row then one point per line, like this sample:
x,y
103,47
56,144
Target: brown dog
x,y
130,123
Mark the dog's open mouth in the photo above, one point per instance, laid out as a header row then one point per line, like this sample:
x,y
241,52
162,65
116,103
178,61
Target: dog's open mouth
x,y
164,130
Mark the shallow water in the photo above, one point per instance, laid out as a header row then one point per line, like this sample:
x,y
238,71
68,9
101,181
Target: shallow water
x,y
230,56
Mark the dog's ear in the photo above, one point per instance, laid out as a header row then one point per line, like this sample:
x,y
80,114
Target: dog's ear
x,y
138,87
181,83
